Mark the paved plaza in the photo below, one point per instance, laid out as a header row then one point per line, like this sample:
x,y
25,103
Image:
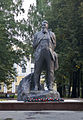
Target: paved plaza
x,y
41,115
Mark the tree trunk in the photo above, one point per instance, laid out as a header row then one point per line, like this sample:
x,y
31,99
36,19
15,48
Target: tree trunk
x,y
78,78
64,91
81,85
74,94
70,83
59,89
69,89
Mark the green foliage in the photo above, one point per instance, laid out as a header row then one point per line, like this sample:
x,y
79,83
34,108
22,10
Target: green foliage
x,y
12,48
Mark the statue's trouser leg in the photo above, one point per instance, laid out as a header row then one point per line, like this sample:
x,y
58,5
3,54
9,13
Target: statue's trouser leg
x,y
44,57
49,70
37,72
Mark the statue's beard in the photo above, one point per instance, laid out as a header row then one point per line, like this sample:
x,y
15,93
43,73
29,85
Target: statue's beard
x,y
44,30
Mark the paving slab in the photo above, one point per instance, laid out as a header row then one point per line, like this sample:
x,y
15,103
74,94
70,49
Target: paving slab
x,y
41,115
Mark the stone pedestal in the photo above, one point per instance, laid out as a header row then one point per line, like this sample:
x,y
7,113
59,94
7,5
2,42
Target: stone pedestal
x,y
39,94
43,94
25,90
26,84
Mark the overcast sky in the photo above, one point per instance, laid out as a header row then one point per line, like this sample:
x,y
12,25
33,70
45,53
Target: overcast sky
x,y
26,4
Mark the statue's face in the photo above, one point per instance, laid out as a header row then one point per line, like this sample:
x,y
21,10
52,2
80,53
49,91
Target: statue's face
x,y
44,25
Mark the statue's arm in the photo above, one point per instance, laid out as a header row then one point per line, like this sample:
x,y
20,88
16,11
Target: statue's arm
x,y
35,41
54,39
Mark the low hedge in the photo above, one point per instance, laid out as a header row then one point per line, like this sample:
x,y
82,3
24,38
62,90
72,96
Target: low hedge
x,y
4,95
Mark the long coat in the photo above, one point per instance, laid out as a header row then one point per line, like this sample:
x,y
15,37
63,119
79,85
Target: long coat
x,y
47,40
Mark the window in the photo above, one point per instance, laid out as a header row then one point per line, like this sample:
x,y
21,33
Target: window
x,y
23,69
15,79
32,70
0,86
16,70
16,88
32,60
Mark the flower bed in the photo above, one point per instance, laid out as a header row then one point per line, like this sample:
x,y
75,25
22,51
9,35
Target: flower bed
x,y
44,100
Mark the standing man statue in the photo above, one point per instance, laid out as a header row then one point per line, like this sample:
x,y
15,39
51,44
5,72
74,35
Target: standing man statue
x,y
45,58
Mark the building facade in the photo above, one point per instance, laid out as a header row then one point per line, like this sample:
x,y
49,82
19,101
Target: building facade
x,y
21,71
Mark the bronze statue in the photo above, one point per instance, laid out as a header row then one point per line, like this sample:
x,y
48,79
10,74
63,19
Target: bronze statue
x,y
45,57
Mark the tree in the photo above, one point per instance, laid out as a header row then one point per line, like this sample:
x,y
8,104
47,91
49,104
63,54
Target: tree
x,y
12,49
67,24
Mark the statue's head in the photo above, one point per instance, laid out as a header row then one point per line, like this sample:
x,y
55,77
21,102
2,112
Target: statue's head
x,y
45,24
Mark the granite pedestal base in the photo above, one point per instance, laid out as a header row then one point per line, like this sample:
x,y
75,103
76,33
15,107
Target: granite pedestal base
x,y
40,94
25,90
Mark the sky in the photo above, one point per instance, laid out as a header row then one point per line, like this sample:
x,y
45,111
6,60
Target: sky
x,y
26,4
